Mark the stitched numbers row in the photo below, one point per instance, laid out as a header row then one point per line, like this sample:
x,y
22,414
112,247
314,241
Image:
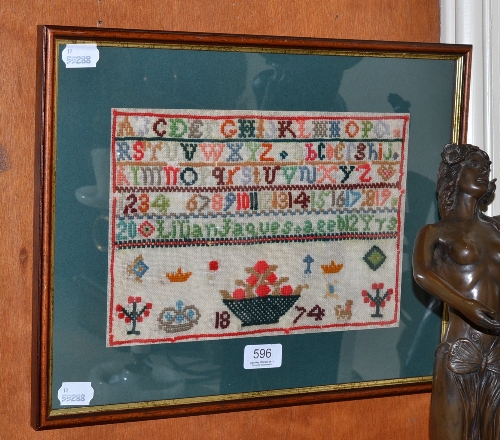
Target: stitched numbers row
x,y
172,204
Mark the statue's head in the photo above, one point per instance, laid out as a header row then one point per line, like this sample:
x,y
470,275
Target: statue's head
x,y
454,158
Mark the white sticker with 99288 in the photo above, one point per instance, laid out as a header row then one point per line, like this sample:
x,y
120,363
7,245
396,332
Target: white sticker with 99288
x,y
262,356
77,56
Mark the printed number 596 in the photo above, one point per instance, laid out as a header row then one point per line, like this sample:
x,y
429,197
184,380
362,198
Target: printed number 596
x,y
261,353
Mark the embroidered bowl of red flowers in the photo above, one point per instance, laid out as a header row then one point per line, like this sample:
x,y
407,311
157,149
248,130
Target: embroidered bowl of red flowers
x,y
263,297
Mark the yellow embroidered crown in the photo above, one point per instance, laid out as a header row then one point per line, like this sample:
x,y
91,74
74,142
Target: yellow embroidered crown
x,y
332,267
179,276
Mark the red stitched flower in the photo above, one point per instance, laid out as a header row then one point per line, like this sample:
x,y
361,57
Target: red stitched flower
x,y
261,266
286,290
272,278
252,280
263,290
239,294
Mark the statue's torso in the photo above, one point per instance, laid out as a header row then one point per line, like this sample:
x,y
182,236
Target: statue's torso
x,y
468,257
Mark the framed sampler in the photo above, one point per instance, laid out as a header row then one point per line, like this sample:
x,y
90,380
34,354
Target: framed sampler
x,y
226,222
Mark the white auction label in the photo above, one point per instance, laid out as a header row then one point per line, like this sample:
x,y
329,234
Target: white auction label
x,y
77,56
75,393
262,356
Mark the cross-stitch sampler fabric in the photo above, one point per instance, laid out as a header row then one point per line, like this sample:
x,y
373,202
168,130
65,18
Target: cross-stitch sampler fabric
x,y
227,224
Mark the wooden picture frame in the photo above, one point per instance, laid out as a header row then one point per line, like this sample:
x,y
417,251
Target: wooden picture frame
x,y
429,81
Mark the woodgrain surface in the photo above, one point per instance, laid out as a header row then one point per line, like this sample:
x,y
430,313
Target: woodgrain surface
x,y
403,417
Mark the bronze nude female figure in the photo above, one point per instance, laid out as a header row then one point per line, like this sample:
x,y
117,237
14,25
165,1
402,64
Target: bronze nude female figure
x,y
458,260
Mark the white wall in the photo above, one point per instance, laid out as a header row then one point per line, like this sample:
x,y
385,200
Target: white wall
x,y
477,22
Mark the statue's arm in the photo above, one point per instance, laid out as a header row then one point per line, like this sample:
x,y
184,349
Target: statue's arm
x,y
423,263
423,271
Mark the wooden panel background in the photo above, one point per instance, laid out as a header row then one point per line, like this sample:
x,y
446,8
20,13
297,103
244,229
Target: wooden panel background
x,y
403,417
